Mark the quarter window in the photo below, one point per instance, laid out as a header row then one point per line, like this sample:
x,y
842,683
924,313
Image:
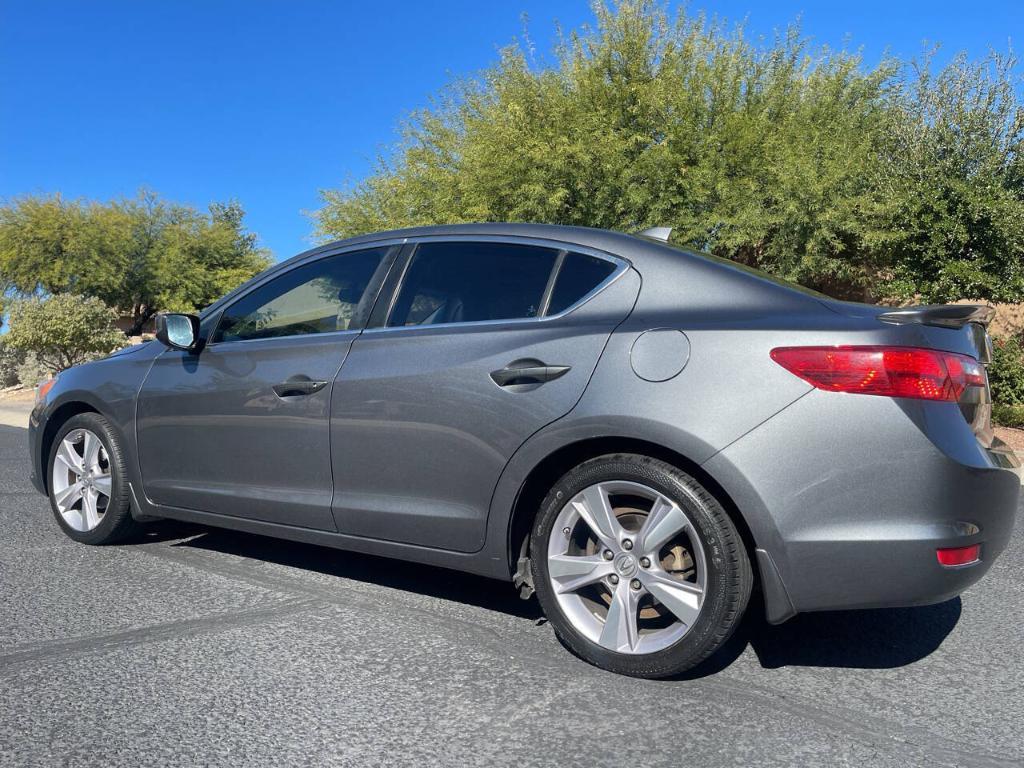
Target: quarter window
x,y
580,274
324,296
463,282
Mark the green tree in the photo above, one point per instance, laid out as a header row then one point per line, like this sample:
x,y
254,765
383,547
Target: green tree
x,y
138,255
63,330
953,172
884,182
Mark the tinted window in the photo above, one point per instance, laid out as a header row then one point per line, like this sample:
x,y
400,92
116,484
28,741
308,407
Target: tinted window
x,y
321,297
469,282
579,276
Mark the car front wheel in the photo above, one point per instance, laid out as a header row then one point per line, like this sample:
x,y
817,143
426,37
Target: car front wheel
x,y
87,482
639,569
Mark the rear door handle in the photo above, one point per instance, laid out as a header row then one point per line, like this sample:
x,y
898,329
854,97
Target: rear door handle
x,y
514,374
298,386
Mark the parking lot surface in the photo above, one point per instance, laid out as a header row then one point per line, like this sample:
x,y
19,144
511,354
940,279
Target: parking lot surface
x,y
198,646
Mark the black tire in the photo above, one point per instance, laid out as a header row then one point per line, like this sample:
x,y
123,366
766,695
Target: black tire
x,y
117,523
729,574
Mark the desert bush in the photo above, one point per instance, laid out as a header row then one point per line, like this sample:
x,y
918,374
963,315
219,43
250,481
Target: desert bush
x,y
61,331
30,371
10,359
1006,373
1008,415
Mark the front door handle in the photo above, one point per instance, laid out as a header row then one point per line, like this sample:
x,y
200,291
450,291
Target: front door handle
x,y
298,386
526,373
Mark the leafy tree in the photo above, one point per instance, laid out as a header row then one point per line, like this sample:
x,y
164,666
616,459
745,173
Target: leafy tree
x,y
63,330
138,255
884,182
954,171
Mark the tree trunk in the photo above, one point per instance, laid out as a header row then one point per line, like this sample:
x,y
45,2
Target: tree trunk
x,y
140,316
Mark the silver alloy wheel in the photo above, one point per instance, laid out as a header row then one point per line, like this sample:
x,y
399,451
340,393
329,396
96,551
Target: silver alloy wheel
x,y
81,479
627,567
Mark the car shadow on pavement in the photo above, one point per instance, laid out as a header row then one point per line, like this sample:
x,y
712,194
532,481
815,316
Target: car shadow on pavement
x,y
869,639
397,574
882,638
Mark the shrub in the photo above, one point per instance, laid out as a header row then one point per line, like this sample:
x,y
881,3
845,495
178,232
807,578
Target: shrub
x,y
30,371
1006,373
1008,415
10,359
62,331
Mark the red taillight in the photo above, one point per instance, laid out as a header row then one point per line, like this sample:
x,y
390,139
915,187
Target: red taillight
x,y
959,555
924,374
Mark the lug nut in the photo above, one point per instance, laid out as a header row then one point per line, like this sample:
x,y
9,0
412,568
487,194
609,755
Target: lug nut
x,y
645,562
614,579
627,544
635,583
608,554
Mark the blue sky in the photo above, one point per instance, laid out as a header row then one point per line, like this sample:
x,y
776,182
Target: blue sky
x,y
267,101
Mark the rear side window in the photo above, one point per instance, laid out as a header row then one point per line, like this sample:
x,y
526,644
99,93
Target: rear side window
x,y
579,275
321,297
466,282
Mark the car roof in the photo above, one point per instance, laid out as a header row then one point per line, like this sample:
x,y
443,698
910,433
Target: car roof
x,y
614,243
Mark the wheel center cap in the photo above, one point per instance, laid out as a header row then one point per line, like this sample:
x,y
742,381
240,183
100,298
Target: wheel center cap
x,y
625,564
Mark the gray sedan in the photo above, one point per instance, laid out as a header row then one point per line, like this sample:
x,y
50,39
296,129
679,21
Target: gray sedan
x,y
641,435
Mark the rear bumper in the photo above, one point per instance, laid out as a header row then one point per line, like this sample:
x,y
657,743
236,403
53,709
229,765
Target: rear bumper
x,y
878,565
850,496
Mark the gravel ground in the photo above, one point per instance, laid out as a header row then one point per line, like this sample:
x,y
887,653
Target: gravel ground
x,y
198,647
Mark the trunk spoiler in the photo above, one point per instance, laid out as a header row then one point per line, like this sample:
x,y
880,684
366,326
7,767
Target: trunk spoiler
x,y
942,315
975,317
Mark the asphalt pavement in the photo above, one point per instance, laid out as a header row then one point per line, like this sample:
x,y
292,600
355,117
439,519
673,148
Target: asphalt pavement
x,y
204,647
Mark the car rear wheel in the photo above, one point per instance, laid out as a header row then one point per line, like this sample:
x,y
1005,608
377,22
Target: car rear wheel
x,y
638,567
88,487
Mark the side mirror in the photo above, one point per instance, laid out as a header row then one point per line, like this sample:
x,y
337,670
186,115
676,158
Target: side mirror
x,y
178,331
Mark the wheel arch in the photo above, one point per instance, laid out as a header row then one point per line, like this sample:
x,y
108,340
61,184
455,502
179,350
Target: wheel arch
x,y
58,418
546,472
